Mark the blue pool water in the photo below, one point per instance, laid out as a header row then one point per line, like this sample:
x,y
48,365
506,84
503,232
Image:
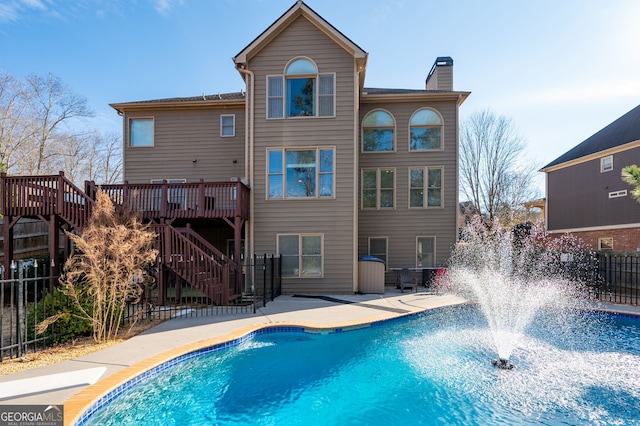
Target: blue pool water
x,y
430,369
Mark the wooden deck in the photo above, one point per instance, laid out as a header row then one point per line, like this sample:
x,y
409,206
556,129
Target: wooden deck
x,y
60,204
43,196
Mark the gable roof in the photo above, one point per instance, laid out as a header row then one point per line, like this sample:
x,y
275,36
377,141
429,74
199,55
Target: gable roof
x,y
624,130
294,12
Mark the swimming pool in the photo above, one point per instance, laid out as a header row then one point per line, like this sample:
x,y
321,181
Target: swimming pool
x,y
433,368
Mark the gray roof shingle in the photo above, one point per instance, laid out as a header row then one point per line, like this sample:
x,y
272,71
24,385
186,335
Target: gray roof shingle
x,y
624,130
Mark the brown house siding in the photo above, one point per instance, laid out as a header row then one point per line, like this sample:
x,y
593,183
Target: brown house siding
x,y
578,195
402,225
334,218
184,135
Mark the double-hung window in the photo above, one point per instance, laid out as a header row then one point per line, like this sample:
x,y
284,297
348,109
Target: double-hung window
x,y
378,188
301,92
301,172
378,130
425,187
606,164
301,255
141,132
227,125
425,131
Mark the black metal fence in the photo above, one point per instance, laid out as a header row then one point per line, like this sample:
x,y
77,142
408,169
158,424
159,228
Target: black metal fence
x,y
28,299
618,277
264,278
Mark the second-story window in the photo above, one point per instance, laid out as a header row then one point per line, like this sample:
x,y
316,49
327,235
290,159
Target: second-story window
x,y
425,187
300,173
227,125
425,131
606,164
378,188
300,92
378,129
141,132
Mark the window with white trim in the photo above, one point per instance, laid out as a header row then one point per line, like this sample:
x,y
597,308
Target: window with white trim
x,y
141,132
378,132
301,172
378,188
425,187
301,92
605,243
378,248
425,252
227,125
617,194
302,255
606,164
425,131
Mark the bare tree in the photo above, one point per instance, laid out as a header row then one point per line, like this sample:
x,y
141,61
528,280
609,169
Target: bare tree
x,y
107,167
51,104
41,131
491,173
16,129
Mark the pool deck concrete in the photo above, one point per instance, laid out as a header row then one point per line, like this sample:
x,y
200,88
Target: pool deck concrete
x,y
80,382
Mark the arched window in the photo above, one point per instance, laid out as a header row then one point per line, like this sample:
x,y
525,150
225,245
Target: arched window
x,y
300,92
425,131
378,129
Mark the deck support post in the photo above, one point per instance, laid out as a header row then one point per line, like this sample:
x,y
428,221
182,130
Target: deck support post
x,y
54,243
7,234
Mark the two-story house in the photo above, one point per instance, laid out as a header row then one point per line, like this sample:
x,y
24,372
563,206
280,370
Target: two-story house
x,y
306,162
585,193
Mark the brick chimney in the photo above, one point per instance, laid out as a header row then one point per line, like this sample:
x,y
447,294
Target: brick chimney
x,y
441,75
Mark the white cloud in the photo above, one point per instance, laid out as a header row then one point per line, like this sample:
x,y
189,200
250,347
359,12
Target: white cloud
x,y
163,6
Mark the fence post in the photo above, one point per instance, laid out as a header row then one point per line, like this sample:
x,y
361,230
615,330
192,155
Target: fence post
x,y
20,317
264,280
272,261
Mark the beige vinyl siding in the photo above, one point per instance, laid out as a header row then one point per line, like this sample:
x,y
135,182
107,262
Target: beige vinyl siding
x,y
184,135
331,217
402,225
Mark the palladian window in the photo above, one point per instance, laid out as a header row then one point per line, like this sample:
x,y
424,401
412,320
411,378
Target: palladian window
x,y
378,132
300,92
425,131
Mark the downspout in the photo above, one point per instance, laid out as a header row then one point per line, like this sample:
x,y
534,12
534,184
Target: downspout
x,y
248,149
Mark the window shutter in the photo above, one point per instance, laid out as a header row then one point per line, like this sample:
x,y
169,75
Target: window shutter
x,y
275,97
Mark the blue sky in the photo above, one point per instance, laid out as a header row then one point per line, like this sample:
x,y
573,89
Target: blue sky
x,y
561,70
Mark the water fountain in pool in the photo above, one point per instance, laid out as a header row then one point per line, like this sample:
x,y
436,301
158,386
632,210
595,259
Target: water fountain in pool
x,y
512,279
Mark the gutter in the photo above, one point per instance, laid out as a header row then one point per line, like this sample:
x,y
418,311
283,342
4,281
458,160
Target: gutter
x,y
248,148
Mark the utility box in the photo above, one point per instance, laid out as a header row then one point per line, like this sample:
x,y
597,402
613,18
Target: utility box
x,y
371,275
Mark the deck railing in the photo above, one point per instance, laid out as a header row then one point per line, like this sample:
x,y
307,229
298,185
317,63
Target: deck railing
x,y
44,196
180,200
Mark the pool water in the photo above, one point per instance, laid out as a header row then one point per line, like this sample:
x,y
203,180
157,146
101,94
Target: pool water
x,y
430,369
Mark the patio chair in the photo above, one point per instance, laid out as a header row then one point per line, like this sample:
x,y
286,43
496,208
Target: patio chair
x,y
406,280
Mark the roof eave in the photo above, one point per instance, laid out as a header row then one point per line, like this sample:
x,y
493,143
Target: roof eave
x,y
459,97
141,106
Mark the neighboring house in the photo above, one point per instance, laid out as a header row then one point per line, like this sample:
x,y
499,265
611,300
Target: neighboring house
x,y
585,193
306,162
